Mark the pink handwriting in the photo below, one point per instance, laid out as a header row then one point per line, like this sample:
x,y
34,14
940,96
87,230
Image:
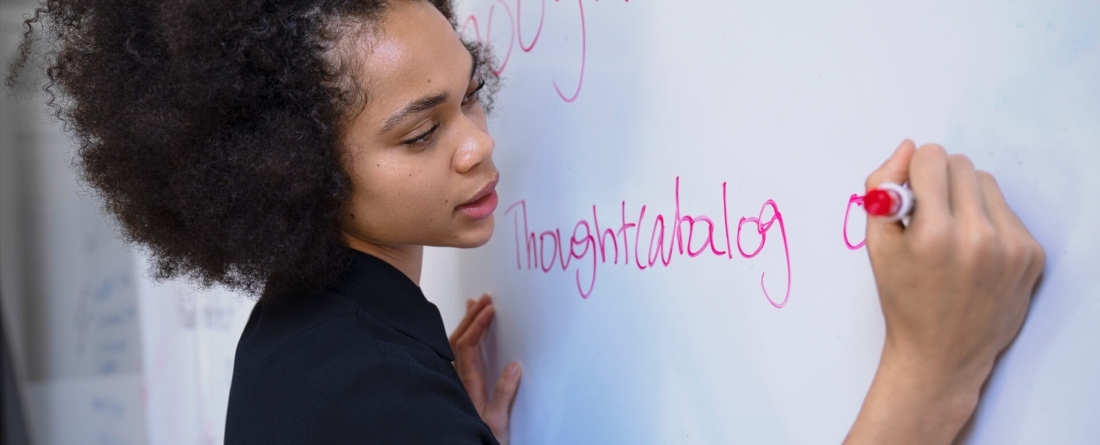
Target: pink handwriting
x,y
762,230
592,244
515,28
854,200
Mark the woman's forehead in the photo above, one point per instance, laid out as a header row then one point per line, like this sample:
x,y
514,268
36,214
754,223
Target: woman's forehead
x,y
412,51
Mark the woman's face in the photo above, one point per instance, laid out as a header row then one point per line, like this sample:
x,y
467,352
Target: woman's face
x,y
419,154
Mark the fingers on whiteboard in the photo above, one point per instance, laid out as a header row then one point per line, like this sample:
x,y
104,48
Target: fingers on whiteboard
x,y
504,396
473,307
468,340
469,371
464,341
895,170
462,325
478,327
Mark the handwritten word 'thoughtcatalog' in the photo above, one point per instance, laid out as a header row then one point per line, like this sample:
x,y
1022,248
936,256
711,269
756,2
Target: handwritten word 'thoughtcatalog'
x,y
668,237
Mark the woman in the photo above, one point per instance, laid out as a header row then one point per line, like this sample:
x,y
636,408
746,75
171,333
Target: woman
x,y
307,151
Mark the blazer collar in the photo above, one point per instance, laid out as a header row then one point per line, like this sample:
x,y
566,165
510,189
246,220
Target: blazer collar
x,y
389,295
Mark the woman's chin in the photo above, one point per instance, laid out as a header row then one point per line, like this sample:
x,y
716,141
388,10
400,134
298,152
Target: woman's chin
x,y
475,236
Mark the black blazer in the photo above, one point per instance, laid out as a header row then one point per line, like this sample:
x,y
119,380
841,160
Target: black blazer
x,y
367,361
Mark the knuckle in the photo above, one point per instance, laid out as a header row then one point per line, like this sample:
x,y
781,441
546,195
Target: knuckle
x,y
1040,252
987,179
1017,252
1037,253
932,150
960,162
982,238
1020,254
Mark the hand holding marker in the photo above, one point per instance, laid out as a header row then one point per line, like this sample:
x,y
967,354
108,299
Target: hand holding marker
x,y
954,287
890,201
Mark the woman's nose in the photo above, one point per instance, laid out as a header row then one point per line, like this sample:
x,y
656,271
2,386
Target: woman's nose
x,y
475,147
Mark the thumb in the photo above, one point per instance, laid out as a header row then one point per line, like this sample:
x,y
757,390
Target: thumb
x,y
895,170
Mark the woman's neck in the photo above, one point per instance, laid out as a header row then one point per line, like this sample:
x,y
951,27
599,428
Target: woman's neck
x,y
406,258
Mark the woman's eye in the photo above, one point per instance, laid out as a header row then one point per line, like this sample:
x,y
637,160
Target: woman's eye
x,y
422,138
473,96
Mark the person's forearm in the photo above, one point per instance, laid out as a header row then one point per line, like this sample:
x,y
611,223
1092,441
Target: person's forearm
x,y
911,403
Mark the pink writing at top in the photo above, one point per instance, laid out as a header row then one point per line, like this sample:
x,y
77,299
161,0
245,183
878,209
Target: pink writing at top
x,y
592,245
471,27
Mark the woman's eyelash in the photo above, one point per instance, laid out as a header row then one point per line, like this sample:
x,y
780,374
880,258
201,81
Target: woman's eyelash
x,y
423,137
426,135
473,94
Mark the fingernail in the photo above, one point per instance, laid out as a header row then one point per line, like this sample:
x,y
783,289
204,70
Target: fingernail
x,y
513,369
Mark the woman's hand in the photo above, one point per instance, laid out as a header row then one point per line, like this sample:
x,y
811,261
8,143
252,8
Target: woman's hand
x,y
955,286
466,343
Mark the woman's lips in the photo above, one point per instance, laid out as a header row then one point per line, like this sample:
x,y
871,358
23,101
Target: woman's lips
x,y
480,207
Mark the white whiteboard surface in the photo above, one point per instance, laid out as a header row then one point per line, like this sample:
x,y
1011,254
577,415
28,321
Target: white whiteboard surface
x,y
792,103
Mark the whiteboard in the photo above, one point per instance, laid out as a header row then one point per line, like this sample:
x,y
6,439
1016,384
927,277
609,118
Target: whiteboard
x,y
759,120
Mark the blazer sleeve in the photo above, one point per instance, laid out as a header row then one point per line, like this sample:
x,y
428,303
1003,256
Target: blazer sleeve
x,y
396,402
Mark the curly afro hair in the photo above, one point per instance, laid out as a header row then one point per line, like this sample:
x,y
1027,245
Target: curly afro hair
x,y
212,129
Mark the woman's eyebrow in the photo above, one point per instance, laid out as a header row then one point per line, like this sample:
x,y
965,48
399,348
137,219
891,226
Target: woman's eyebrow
x,y
424,103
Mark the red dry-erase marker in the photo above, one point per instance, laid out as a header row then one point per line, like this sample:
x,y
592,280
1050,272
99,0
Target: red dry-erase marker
x,y
889,200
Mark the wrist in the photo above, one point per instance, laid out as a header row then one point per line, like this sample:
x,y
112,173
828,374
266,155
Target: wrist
x,y
945,394
914,399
